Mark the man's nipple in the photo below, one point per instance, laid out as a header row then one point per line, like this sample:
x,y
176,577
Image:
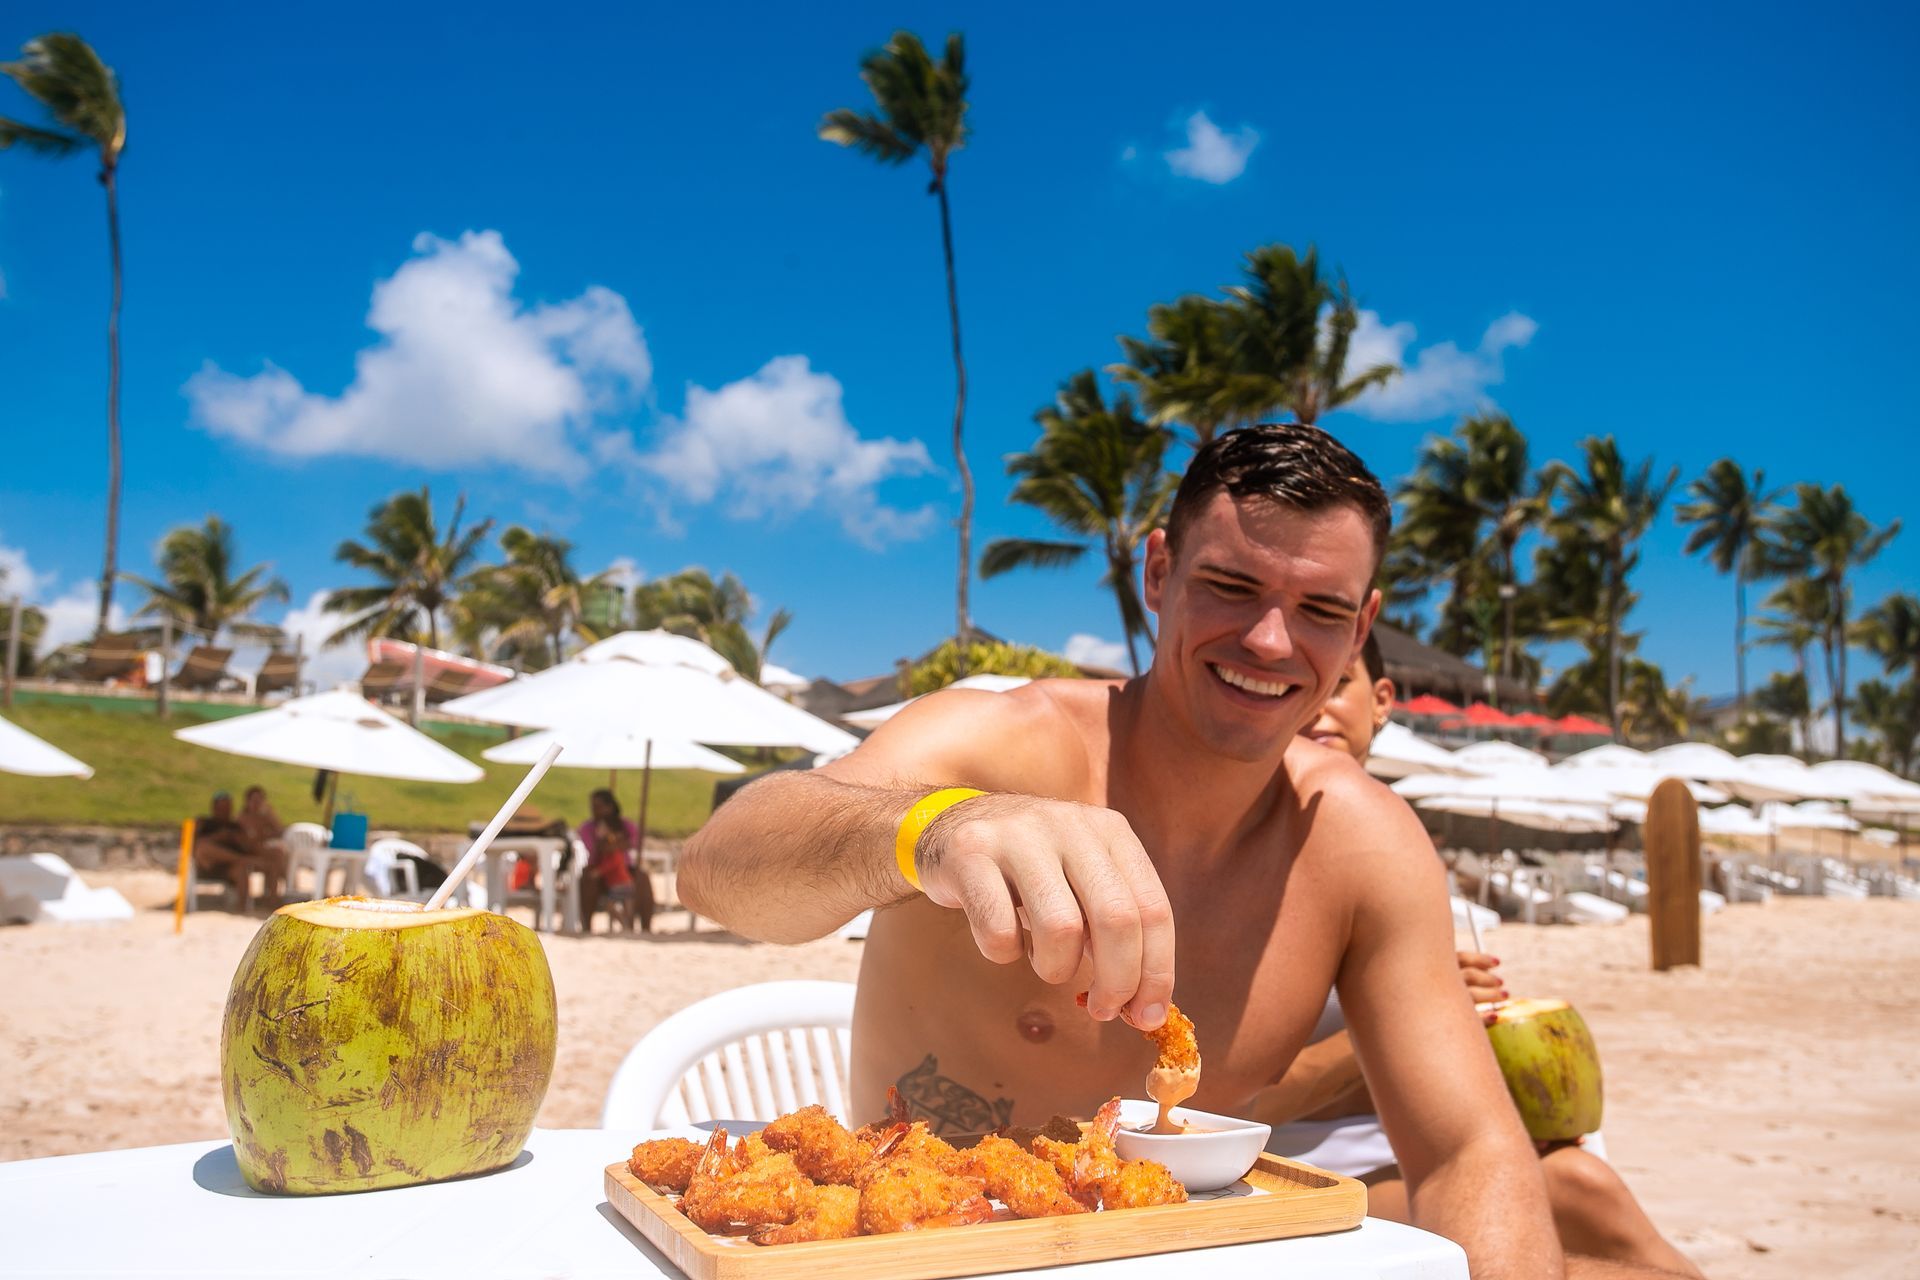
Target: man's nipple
x,y
1036,1025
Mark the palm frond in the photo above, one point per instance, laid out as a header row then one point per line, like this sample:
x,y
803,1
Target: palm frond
x,y
1004,554
46,142
866,134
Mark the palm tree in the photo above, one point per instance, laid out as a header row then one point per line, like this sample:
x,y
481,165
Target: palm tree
x,y
82,95
1468,500
1608,508
1321,385
531,604
1784,698
1822,535
1894,716
1891,631
1730,519
1099,472
419,569
922,104
1179,367
691,603
1798,620
198,588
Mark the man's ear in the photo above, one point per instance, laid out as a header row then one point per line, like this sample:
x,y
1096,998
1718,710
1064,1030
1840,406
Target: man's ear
x,y
1159,562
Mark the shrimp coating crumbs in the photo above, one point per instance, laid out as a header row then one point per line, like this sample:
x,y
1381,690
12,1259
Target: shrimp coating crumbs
x,y
907,1195
1174,1039
768,1192
826,1213
1099,1171
819,1144
665,1164
1029,1186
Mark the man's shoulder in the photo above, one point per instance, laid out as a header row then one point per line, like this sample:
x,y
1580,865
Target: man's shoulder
x,y
1351,807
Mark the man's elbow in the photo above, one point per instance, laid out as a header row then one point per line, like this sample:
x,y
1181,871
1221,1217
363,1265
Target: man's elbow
x,y
692,878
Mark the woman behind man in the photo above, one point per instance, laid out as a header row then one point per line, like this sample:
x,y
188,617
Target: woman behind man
x,y
613,867
1321,1110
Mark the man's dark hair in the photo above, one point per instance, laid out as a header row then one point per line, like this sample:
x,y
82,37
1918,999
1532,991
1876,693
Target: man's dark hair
x,y
1370,656
1287,462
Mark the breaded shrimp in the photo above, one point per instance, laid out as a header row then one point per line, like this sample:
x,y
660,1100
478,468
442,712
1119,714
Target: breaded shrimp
x,y
819,1144
826,1213
1029,1186
767,1192
666,1164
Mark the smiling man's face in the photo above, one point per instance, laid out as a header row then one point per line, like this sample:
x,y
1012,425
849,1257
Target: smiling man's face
x,y
1261,610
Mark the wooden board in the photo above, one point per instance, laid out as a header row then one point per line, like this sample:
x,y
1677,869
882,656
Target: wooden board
x,y
1285,1199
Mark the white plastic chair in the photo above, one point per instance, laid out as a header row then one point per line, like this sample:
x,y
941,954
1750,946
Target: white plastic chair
x,y
306,843
390,875
753,1053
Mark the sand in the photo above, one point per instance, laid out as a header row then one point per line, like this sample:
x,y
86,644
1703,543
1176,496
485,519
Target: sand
x,y
1764,1107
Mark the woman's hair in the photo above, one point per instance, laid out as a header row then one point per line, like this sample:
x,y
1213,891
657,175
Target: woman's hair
x,y
602,793
1370,655
255,790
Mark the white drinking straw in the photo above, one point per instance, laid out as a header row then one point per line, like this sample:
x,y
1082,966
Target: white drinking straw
x,y
472,855
1473,927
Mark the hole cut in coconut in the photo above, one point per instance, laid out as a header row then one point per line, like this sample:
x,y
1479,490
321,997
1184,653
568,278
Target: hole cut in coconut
x,y
377,904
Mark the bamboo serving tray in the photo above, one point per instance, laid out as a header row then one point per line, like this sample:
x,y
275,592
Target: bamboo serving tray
x,y
1278,1198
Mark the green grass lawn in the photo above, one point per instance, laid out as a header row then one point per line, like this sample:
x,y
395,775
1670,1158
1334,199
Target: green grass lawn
x,y
143,777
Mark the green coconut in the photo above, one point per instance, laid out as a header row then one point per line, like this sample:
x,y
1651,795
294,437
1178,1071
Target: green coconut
x,y
373,1044
1552,1069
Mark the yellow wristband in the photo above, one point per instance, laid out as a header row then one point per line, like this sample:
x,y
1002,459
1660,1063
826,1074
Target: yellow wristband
x,y
918,819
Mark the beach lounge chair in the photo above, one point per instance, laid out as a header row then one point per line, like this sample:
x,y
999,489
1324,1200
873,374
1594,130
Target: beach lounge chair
x,y
382,680
204,669
447,683
116,656
281,671
753,1053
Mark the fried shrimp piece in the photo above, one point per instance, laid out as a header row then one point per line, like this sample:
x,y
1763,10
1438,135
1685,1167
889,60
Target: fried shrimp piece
x,y
1029,1186
1057,1153
913,1142
826,1213
1173,1039
905,1195
819,1144
1099,1171
768,1192
665,1164
748,1150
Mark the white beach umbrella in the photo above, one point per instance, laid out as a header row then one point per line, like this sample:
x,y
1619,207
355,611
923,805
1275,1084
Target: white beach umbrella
x,y
337,731
666,701
611,747
1495,756
1608,755
1748,777
1733,820
874,717
1638,782
1537,815
1809,815
23,753
1399,752
777,678
656,649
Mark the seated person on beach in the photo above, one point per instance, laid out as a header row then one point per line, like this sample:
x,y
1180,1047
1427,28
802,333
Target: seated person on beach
x,y
262,824
1321,1112
1114,810
613,866
222,847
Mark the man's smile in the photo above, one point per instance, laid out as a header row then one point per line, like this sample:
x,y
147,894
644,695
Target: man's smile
x,y
1255,687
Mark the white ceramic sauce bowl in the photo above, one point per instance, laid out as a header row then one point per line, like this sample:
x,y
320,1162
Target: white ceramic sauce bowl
x,y
1204,1161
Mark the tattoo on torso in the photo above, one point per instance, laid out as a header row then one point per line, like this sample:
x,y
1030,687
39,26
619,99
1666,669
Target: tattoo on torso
x,y
949,1106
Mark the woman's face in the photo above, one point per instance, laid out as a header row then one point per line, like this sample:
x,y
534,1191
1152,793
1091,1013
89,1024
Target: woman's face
x,y
255,799
602,809
1354,713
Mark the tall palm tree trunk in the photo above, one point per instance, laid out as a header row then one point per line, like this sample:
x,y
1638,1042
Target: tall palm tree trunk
x,y
110,570
1506,601
963,624
1740,641
1120,569
1613,643
1838,644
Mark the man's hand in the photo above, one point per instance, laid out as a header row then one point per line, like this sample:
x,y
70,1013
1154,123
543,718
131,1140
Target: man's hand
x,y
1078,880
1483,984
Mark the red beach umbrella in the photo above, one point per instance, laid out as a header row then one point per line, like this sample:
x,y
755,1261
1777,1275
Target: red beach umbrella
x,y
1482,716
1576,724
1534,720
1428,705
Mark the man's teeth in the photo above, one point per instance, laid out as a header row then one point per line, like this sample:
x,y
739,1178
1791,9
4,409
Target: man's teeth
x,y
1262,687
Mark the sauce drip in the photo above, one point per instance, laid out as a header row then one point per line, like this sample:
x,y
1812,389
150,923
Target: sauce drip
x,y
1170,1086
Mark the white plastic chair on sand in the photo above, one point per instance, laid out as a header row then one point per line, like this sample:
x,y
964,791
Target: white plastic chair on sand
x,y
390,872
753,1053
1590,908
306,846
555,897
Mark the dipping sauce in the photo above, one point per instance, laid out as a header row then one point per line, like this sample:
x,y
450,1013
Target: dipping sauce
x,y
1174,1127
1170,1086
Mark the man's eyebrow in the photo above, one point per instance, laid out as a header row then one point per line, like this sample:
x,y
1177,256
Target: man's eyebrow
x,y
1333,598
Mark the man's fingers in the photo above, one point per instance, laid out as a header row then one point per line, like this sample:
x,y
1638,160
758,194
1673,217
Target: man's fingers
x,y
980,890
1113,924
1053,918
1147,1008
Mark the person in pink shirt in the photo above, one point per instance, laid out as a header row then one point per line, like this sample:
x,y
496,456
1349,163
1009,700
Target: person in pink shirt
x,y
613,871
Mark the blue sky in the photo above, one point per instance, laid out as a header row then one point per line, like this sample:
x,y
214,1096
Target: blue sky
x,y
624,294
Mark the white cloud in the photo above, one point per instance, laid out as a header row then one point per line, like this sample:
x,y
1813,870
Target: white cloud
x,y
17,576
1091,651
1434,381
70,614
464,373
625,572
1211,154
778,443
324,668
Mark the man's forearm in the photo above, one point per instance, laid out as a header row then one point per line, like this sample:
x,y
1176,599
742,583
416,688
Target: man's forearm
x,y
1491,1200
795,856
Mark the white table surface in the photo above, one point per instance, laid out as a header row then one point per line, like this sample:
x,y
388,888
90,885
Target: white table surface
x,y
184,1211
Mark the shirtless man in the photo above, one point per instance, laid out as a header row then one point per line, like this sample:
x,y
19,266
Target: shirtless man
x,y
1115,810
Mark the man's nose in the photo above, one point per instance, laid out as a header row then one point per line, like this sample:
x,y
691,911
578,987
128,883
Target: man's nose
x,y
1268,638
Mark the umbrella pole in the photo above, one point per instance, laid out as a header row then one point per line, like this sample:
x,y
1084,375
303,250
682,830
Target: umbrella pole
x,y
333,789
640,854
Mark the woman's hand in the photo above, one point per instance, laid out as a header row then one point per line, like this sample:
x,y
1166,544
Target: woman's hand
x,y
1483,984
